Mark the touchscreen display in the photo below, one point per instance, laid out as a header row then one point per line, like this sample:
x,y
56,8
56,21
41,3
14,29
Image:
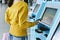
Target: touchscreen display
x,y
48,15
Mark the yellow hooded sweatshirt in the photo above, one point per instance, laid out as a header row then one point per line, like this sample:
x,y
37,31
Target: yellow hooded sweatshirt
x,y
16,16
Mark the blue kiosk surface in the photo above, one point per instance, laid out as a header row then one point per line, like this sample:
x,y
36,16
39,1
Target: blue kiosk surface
x,y
50,17
38,8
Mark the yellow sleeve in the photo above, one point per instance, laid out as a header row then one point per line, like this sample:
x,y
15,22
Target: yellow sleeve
x,y
27,24
23,13
30,24
7,17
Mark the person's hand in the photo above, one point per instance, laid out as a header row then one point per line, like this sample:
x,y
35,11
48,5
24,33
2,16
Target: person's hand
x,y
37,21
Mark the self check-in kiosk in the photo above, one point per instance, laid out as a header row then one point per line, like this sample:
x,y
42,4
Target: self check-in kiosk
x,y
48,23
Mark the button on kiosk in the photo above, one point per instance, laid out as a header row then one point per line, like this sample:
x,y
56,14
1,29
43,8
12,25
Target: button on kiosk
x,y
49,21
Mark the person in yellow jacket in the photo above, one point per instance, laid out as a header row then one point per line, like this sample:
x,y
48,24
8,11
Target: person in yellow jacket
x,y
16,15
